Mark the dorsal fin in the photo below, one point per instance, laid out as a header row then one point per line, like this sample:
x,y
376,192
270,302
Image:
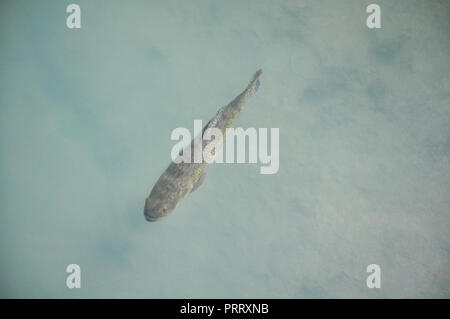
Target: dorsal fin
x,y
213,122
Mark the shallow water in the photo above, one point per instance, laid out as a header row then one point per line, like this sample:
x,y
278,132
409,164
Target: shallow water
x,y
85,123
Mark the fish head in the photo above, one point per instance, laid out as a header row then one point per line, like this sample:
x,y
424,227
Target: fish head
x,y
154,212
160,203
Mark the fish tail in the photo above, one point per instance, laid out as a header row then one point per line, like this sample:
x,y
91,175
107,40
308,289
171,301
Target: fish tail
x,y
254,82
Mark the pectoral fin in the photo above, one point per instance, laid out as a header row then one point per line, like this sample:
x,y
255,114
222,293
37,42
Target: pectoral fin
x,y
198,183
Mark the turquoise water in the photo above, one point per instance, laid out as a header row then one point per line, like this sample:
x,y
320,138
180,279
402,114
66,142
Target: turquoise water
x,y
85,122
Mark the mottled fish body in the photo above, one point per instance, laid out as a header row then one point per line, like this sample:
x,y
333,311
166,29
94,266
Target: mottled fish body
x,y
180,179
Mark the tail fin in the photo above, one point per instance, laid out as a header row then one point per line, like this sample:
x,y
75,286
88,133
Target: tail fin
x,y
254,82
257,74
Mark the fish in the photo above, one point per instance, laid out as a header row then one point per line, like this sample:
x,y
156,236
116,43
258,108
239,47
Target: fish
x,y
182,178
